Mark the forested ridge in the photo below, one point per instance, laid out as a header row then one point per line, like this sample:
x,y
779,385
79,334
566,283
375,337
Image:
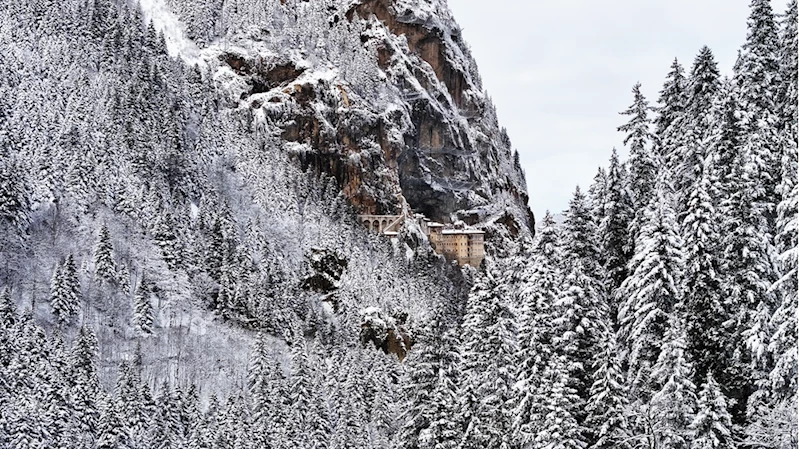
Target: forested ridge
x,y
174,273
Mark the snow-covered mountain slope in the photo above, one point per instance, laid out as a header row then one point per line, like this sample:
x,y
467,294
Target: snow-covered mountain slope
x,y
383,96
222,145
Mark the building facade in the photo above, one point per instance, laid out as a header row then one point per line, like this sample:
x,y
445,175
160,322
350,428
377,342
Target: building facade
x,y
461,243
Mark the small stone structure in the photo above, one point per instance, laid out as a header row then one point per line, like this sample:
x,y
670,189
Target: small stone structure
x,y
458,242
383,224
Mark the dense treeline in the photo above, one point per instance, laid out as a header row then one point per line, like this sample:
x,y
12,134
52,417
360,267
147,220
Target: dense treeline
x,y
154,245
662,312
148,232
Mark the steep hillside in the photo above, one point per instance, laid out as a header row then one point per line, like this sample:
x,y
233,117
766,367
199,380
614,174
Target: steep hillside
x,y
383,96
167,198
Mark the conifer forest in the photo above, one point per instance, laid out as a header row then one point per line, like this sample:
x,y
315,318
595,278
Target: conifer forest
x,y
182,264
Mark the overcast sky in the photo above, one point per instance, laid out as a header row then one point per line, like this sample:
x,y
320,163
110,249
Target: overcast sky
x,y
560,71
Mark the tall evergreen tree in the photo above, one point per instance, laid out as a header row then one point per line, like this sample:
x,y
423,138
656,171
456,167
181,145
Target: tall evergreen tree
x,y
577,321
14,199
712,425
758,70
559,428
748,276
650,295
85,386
549,241
489,328
597,194
538,294
580,239
143,308
607,406
103,259
704,308
616,244
783,341
111,432
757,75
789,60
703,83
434,412
673,405
65,295
671,110
300,391
639,138
8,310
685,142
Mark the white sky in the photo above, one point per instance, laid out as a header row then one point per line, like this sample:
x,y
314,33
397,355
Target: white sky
x,y
560,71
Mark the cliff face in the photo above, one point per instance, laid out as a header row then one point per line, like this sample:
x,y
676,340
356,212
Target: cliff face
x,y
384,96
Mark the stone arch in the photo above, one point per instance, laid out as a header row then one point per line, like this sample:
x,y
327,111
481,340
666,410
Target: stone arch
x,y
376,226
383,225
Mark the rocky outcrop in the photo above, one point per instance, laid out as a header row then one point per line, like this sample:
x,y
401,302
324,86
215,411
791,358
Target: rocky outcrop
x,y
385,332
421,134
427,43
326,268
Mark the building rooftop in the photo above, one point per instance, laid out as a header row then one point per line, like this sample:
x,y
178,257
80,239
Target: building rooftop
x,y
462,231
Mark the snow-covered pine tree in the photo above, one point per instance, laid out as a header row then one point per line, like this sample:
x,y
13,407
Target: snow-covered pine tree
x,y
773,418
783,342
747,249
65,295
164,233
712,425
59,304
580,240
673,405
130,404
559,428
614,234
549,242
642,163
489,332
576,322
686,139
143,308
672,99
597,193
320,425
607,420
583,301
85,386
165,430
758,68
537,295
8,310
789,59
704,308
431,377
14,198
703,83
757,75
103,259
670,113
267,388
111,432
300,390
649,296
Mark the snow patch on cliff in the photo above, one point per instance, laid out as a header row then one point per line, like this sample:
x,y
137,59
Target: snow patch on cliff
x,y
168,23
